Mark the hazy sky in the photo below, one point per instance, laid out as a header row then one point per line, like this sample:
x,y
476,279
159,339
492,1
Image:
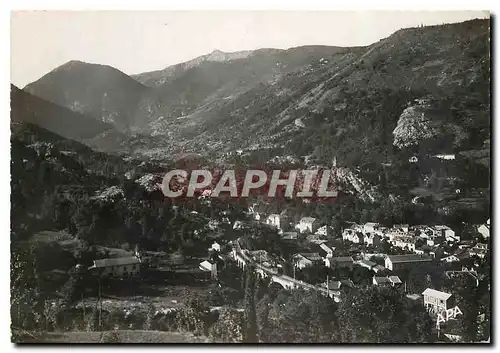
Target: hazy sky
x,y
136,42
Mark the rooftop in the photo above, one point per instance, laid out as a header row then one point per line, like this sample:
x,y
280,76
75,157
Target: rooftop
x,y
436,294
395,279
408,258
307,220
368,263
333,285
381,280
413,296
313,256
343,259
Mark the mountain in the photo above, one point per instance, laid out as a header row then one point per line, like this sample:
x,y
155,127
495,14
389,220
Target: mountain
x,y
160,77
100,91
319,102
210,81
420,92
29,108
62,121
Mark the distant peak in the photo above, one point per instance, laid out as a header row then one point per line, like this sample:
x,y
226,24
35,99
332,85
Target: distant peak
x,y
219,55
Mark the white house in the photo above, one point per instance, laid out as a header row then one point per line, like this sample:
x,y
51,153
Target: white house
x,y
353,236
367,264
324,231
306,259
404,242
257,210
278,221
215,246
370,227
395,262
238,225
308,224
342,261
435,300
372,239
479,250
327,249
450,258
390,280
447,157
123,267
444,231
484,229
403,227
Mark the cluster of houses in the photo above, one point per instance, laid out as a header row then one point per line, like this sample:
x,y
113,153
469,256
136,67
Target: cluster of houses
x,y
285,226
418,239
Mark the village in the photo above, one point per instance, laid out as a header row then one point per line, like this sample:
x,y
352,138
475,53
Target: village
x,y
402,257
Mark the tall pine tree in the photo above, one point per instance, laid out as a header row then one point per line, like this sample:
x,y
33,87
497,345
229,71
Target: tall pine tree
x,y
250,334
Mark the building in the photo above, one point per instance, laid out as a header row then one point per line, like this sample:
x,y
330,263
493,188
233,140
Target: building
x,y
382,281
333,285
465,244
404,242
367,264
378,268
450,258
447,157
465,273
324,231
372,239
435,301
353,236
238,225
392,233
121,267
303,260
289,236
396,262
207,266
445,232
258,211
343,261
308,224
328,249
262,257
370,227
278,221
395,280
402,227
215,247
481,246
479,250
484,229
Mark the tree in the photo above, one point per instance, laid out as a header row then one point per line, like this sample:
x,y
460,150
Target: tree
x,y
27,302
375,315
228,327
149,317
301,316
250,334
192,315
